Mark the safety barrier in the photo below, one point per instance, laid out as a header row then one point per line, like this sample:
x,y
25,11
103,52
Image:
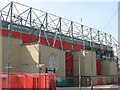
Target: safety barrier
x,y
28,81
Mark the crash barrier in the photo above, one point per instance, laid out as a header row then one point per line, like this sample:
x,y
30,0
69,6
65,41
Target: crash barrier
x,y
28,81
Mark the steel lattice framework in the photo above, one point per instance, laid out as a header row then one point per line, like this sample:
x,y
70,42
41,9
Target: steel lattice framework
x,y
40,23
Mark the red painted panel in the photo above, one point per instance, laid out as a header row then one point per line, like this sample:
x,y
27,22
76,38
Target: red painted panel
x,y
98,68
69,64
69,60
43,40
33,39
58,44
28,38
5,32
50,41
67,45
112,80
25,38
78,47
16,34
100,80
89,81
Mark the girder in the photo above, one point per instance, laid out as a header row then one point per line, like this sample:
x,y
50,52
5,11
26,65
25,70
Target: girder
x,y
40,23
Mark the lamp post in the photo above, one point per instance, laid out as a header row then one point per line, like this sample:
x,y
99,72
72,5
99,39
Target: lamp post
x,y
9,45
79,74
83,52
91,45
91,68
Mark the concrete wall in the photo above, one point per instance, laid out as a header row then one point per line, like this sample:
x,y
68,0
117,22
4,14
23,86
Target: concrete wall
x,y
29,59
113,68
25,58
45,56
85,63
108,67
15,54
30,56
76,64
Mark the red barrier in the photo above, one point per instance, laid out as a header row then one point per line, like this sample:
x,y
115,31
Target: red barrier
x,y
28,81
88,82
100,81
112,80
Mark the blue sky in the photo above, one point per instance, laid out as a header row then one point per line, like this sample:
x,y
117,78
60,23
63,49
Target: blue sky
x,y
102,16
98,15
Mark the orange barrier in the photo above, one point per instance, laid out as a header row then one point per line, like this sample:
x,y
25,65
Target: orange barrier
x,y
28,81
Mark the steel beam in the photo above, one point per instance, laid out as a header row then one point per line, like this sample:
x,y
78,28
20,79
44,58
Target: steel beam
x,y
72,35
50,25
10,44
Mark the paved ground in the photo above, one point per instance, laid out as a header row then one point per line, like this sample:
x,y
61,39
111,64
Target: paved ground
x,y
98,87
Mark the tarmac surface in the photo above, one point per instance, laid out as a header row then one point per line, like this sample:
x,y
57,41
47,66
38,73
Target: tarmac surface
x,y
97,87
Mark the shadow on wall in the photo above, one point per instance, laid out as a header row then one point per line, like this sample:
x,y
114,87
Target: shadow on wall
x,y
29,58
25,58
50,57
21,58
